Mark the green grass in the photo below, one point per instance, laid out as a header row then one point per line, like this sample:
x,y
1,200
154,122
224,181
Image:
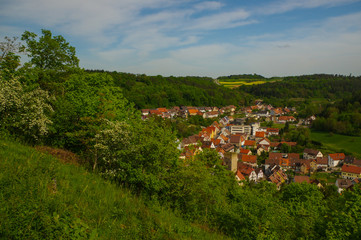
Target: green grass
x,y
42,198
323,176
337,142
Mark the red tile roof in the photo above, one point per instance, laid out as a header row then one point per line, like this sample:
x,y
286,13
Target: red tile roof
x,y
249,158
351,169
337,156
249,143
260,134
244,151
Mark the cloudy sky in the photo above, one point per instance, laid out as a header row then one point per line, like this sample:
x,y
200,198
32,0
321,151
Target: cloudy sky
x,y
203,38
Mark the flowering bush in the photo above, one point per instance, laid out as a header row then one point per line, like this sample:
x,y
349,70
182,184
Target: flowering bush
x,y
24,112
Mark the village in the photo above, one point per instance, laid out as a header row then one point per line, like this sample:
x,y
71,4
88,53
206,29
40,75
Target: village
x,y
242,144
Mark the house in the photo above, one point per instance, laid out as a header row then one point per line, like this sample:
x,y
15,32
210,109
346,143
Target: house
x,y
192,140
213,114
260,135
284,119
350,171
280,159
343,184
265,143
301,179
259,173
352,160
249,144
145,112
240,177
247,171
229,147
311,154
237,140
335,158
277,176
322,163
272,131
249,159
223,139
245,151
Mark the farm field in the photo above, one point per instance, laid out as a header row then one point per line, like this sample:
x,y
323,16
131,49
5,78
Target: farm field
x,y
337,142
234,83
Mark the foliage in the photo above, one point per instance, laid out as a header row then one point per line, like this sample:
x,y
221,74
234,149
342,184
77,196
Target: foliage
x,y
157,91
22,111
49,52
45,199
138,154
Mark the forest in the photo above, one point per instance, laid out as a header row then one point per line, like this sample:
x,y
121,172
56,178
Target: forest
x,y
50,101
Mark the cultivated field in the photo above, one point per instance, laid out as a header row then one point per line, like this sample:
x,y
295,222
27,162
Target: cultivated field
x,y
234,83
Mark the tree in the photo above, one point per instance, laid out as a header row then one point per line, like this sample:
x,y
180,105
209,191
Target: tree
x,y
9,60
49,52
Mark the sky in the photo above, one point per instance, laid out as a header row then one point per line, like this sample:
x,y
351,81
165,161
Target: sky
x,y
199,38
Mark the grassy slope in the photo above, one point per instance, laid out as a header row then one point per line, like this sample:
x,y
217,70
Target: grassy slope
x,y
336,142
42,198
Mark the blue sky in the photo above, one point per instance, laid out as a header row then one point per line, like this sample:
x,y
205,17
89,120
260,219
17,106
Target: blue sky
x,y
199,38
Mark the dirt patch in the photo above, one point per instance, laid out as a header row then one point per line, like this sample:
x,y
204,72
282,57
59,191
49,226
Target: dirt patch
x,y
63,155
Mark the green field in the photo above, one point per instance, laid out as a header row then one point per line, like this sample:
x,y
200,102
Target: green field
x,y
234,83
336,142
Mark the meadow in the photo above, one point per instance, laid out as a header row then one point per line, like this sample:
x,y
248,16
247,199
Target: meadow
x,y
337,142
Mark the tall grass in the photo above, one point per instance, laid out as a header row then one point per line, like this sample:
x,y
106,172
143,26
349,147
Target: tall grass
x,y
42,198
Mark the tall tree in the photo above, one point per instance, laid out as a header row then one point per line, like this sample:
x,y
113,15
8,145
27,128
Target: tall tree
x,y
49,52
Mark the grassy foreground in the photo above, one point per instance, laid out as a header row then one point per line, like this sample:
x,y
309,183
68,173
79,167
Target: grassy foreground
x,y
337,142
42,198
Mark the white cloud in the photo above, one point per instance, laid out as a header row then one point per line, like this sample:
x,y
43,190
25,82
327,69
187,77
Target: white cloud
x,y
208,5
221,20
289,5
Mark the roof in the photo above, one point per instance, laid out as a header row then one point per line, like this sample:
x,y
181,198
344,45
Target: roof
x,y
300,179
311,151
249,158
235,139
351,169
337,156
244,151
323,160
193,110
245,169
260,134
249,143
240,176
228,147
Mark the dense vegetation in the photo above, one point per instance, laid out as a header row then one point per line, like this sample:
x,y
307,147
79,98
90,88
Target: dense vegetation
x,y
89,113
157,91
335,99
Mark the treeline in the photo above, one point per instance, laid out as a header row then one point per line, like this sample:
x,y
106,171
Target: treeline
x,y
242,76
343,117
307,86
158,91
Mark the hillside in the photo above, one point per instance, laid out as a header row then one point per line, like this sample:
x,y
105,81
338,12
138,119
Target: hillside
x,y
158,91
43,198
